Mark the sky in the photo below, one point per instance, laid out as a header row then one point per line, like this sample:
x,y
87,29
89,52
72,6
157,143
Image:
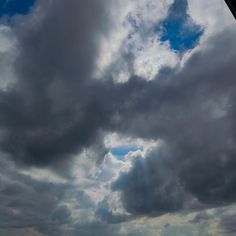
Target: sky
x,y
117,118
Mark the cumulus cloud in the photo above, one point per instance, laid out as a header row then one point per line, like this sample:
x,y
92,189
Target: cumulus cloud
x,y
47,114
59,120
151,186
193,114
133,46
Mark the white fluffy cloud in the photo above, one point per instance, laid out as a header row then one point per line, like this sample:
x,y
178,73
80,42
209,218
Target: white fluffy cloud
x,y
213,16
132,36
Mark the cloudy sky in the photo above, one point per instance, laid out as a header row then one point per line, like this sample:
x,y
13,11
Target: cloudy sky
x,y
117,118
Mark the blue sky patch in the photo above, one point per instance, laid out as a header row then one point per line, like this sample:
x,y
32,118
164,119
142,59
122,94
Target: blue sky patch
x,y
178,28
13,7
120,152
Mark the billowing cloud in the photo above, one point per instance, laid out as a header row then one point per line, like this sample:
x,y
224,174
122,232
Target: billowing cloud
x,y
84,78
151,186
52,109
193,114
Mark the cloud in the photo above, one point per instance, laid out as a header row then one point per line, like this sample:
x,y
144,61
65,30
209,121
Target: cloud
x,y
192,112
206,14
40,206
133,46
8,53
27,202
21,232
55,117
106,215
151,186
228,223
51,110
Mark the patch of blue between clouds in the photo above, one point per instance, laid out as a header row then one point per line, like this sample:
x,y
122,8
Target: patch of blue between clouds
x,y
15,7
121,152
178,28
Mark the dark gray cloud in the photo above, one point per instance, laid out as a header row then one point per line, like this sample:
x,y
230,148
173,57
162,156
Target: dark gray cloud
x,y
41,205
95,229
193,113
25,202
55,108
106,215
228,223
151,186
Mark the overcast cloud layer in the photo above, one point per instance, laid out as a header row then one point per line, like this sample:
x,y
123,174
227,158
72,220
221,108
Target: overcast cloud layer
x,y
112,122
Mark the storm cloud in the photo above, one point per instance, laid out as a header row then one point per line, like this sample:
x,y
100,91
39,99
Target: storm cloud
x,y
193,113
57,108
54,108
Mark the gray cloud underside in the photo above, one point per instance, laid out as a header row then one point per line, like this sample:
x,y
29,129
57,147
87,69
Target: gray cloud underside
x,y
29,203
193,112
56,108
228,223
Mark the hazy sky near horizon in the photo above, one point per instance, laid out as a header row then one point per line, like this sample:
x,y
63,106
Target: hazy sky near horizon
x,y
117,118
